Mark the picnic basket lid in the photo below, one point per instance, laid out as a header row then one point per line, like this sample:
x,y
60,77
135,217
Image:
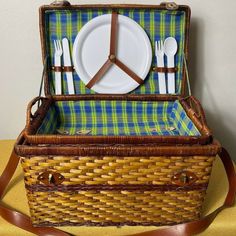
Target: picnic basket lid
x,y
63,20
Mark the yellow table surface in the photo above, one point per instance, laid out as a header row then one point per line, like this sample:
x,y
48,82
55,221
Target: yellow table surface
x,y
223,225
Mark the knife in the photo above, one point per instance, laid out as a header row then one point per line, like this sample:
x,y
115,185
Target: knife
x,y
67,62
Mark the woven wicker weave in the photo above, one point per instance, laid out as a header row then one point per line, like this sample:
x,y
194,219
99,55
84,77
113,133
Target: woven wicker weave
x,y
114,207
115,190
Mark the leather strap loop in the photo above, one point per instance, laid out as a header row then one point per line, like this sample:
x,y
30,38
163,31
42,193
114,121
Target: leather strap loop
x,y
186,229
165,69
62,68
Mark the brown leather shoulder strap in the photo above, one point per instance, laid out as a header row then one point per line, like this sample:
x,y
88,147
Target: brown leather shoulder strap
x,y
187,229
16,218
195,227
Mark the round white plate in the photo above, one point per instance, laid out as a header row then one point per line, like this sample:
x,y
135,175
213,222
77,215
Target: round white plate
x,y
91,50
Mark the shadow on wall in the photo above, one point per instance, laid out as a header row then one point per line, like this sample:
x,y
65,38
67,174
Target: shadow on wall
x,y
218,123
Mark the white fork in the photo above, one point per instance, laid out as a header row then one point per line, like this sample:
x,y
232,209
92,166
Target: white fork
x,y
57,62
159,52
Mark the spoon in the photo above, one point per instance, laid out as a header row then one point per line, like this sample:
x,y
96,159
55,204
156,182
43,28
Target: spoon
x,y
170,49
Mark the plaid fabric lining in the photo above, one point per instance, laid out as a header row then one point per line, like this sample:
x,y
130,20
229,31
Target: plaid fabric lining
x,y
157,24
118,118
182,122
49,124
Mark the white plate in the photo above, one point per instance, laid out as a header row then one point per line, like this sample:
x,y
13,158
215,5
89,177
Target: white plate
x,y
91,50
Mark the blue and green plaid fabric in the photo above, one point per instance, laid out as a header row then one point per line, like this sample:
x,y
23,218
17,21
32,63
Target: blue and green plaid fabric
x,y
181,121
49,124
157,24
118,118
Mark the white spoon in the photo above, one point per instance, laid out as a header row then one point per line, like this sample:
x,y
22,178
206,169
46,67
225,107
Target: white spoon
x,y
170,49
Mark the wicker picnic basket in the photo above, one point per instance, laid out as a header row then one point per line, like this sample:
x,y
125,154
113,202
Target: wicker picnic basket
x,y
102,179
146,159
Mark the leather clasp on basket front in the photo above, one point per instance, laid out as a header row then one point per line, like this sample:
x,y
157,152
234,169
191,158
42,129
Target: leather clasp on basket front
x,y
184,178
51,178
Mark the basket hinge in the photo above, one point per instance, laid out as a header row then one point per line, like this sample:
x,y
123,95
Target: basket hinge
x,y
170,5
61,3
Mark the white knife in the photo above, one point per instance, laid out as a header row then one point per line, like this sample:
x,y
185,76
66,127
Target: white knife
x,y
67,62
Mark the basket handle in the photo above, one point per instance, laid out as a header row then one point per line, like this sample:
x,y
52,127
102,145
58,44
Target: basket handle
x,y
186,229
197,108
195,111
30,116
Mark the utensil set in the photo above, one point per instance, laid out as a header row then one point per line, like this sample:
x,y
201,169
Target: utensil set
x,y
63,49
169,49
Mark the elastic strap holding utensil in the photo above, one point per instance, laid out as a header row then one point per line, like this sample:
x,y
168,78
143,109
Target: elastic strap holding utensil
x,y
186,229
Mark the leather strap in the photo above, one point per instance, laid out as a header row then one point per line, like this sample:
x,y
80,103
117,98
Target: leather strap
x,y
99,74
112,55
196,227
128,71
113,36
16,218
186,229
165,69
62,68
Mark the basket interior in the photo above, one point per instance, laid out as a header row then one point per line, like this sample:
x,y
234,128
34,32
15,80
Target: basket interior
x,y
128,118
158,24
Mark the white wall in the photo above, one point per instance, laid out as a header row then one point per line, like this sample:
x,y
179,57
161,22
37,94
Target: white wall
x,y
212,62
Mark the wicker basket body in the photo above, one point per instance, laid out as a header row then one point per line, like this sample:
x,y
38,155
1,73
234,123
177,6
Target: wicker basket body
x,y
116,190
116,178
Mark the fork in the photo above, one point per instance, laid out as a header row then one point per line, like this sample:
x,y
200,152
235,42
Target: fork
x,y
57,63
159,52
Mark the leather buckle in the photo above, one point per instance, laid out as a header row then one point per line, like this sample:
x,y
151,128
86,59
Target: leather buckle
x,y
51,178
184,178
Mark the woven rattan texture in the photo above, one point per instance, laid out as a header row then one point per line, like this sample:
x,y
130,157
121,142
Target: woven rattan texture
x,y
117,170
70,204
114,208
